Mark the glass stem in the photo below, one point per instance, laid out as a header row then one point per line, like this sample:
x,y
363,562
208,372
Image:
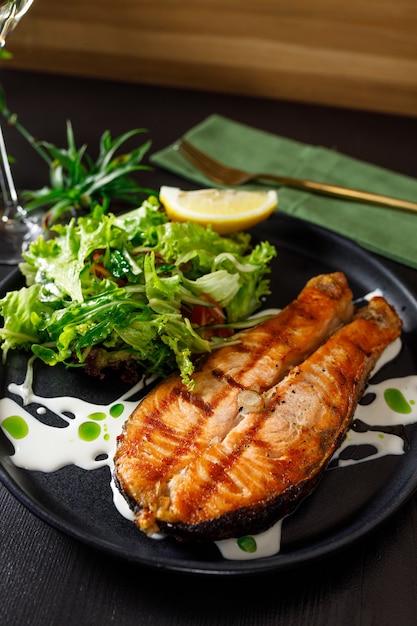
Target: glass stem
x,y
12,208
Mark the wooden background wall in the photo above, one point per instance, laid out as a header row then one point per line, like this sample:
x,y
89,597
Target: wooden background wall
x,y
355,53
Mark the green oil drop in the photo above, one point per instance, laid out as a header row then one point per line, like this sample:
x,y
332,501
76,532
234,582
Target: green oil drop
x,y
97,417
247,544
16,426
88,431
116,410
396,401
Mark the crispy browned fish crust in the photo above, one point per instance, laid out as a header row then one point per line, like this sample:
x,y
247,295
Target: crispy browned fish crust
x,y
195,465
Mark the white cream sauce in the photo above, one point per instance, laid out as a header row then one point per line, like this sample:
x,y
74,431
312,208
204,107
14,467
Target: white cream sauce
x,y
89,433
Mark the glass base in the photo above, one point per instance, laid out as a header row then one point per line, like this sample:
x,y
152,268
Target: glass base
x,y
15,237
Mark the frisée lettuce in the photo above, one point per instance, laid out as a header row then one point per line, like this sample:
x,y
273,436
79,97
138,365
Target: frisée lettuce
x,y
134,292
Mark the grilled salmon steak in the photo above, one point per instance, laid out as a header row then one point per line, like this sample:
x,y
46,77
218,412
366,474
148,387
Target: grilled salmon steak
x,y
255,434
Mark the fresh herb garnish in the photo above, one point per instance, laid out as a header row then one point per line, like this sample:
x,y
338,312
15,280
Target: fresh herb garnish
x,y
77,181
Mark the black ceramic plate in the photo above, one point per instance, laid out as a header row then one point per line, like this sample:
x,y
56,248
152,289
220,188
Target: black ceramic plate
x,y
348,503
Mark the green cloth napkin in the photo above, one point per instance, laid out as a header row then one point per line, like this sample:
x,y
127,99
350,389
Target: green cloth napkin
x,y
388,232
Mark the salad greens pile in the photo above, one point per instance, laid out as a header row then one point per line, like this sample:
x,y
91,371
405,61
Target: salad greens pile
x,y
134,292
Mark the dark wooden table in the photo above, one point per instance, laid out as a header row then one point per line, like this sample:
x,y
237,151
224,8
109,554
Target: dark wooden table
x,y
48,578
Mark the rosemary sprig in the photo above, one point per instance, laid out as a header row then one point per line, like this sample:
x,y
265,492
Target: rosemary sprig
x,y
77,182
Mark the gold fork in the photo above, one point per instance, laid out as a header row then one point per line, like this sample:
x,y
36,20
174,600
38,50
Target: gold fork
x,y
224,175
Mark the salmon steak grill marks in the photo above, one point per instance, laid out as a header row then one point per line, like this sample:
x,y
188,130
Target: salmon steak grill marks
x,y
275,456
252,438
173,425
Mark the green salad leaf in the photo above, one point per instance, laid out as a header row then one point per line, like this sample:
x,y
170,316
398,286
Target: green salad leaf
x,y
134,292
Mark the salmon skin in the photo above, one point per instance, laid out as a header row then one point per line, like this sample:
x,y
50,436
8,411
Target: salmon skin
x,y
253,437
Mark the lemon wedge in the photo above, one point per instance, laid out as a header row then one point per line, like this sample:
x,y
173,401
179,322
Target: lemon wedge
x,y
226,210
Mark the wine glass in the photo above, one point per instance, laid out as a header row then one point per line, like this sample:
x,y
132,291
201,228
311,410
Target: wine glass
x,y
17,230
